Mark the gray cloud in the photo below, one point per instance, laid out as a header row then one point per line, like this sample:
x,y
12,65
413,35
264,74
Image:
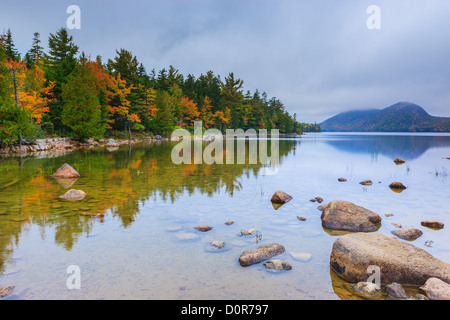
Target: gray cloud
x,y
318,57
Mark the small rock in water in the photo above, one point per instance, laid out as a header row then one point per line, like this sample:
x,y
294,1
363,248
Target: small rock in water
x,y
368,289
399,161
280,197
229,223
73,195
66,171
432,224
420,297
260,254
203,228
389,215
277,265
407,233
397,225
217,244
301,218
318,199
436,289
6,291
397,185
396,291
342,180
428,243
366,183
249,231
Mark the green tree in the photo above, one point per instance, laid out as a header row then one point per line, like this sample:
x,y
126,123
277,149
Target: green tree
x,y
233,98
59,64
14,120
11,51
82,110
36,52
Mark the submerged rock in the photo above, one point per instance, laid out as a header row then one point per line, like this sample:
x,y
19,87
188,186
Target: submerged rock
x,y
436,289
73,194
229,223
260,254
277,265
217,244
6,291
280,197
400,262
301,256
432,224
407,233
186,236
301,218
66,171
203,228
344,215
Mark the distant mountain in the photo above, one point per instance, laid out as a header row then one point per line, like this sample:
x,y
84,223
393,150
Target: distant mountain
x,y
400,117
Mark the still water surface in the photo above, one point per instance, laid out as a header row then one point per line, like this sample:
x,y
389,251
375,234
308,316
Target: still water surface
x,y
128,235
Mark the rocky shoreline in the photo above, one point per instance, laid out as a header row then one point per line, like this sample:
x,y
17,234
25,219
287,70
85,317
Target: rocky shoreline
x,y
60,146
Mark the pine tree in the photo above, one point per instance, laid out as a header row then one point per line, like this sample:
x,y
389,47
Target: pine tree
x,y
59,64
36,52
11,51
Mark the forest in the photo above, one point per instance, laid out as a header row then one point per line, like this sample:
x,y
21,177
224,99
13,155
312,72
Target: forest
x,y
64,92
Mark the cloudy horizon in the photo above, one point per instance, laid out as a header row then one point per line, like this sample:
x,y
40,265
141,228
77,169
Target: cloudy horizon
x,y
319,58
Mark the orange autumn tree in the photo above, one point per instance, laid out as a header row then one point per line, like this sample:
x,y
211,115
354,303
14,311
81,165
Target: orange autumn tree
x,y
33,90
206,115
189,111
105,85
222,118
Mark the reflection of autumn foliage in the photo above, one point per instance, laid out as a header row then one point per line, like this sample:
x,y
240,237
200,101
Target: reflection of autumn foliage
x,y
116,184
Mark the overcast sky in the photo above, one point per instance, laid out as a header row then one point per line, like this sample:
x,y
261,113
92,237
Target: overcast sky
x,y
318,57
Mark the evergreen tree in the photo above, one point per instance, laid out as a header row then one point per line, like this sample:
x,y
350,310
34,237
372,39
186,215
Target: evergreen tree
x,y
11,51
36,52
59,64
127,65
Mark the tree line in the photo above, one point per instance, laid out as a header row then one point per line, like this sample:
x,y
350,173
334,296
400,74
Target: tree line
x,y
65,92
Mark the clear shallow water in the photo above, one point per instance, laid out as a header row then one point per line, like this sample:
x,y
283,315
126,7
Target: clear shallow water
x,y
134,250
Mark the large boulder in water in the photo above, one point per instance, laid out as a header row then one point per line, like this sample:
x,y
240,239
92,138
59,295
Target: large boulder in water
x,y
400,262
66,171
436,289
344,215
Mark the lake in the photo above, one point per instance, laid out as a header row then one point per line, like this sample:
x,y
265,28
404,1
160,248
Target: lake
x,y
133,236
